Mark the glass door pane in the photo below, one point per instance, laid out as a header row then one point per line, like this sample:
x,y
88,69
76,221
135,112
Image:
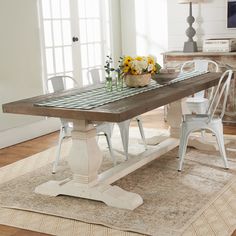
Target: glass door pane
x,y
94,31
57,45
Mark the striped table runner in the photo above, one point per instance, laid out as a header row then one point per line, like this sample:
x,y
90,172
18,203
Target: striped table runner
x,y
97,97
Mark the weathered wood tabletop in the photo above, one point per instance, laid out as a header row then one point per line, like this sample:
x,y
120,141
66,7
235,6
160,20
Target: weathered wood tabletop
x,y
119,110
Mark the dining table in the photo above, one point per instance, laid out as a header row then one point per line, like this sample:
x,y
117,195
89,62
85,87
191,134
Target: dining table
x,y
86,106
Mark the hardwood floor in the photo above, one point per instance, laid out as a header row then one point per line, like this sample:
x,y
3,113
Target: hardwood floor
x,y
22,150
12,231
153,119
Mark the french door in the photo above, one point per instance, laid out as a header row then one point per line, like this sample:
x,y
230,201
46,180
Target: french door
x,y
75,37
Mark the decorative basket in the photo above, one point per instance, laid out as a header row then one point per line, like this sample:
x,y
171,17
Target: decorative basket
x,y
137,80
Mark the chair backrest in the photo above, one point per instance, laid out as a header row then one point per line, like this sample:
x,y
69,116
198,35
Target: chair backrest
x,y
59,83
200,65
94,75
220,94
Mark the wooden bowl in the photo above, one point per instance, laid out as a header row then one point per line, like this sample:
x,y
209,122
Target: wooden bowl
x,y
163,78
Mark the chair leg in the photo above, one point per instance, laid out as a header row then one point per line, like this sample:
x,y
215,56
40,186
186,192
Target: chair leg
x,y
106,129
58,152
220,140
108,138
140,125
124,132
183,146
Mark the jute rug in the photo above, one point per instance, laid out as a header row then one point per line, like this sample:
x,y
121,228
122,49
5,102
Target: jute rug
x,y
199,201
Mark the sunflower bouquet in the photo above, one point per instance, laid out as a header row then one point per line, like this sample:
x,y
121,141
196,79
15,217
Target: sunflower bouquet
x,y
137,71
139,65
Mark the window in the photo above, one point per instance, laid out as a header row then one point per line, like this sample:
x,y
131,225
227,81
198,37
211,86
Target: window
x,y
75,36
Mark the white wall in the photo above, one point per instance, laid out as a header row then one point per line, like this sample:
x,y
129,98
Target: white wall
x,y
144,27
116,29
128,31
20,70
210,22
20,63
151,27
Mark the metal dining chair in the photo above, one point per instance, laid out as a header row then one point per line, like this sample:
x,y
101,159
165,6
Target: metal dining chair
x,y
208,121
198,103
59,83
123,126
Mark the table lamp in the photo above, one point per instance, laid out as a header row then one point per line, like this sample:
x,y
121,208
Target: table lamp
x,y
190,45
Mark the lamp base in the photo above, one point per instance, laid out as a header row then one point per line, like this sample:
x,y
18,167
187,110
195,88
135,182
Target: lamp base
x,y
190,46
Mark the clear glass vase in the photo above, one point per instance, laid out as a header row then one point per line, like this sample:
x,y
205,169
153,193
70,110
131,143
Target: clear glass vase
x,y
108,84
119,82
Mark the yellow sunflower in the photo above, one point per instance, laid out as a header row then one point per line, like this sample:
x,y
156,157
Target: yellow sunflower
x,y
151,60
127,60
126,69
139,58
134,71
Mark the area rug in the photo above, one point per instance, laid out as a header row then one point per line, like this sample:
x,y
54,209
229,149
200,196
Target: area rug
x,y
172,200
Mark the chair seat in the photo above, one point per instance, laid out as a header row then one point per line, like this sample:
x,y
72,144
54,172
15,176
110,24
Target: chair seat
x,y
196,100
200,118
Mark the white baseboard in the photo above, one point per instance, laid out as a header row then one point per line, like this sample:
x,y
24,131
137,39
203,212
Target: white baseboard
x,y
23,133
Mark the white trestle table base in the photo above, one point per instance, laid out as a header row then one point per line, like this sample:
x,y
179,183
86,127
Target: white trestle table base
x,y
85,159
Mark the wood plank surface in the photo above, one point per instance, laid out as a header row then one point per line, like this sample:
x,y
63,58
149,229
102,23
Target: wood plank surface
x,y
120,110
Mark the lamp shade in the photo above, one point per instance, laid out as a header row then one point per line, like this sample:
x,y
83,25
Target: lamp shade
x,y
188,1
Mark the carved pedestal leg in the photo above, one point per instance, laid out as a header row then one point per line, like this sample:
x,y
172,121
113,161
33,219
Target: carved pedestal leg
x,y
85,159
174,118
